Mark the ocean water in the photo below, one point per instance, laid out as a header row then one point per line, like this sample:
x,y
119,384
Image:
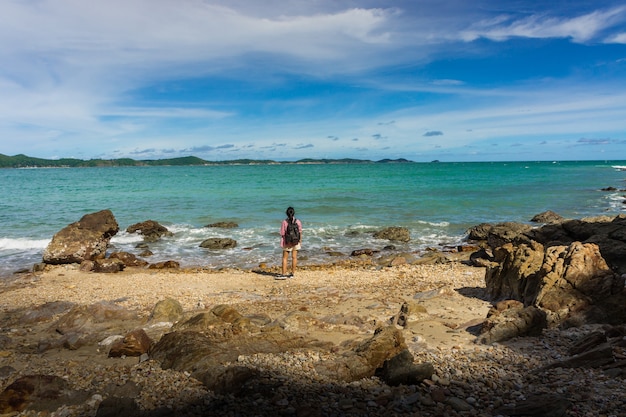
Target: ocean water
x,y
340,205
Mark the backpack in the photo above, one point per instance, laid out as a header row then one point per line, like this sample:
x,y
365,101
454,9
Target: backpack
x,y
292,235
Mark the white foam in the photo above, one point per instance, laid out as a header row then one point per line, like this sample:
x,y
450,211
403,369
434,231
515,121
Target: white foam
x,y
23,243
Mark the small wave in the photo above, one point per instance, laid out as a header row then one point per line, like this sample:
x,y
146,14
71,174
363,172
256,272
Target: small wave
x,y
23,243
436,224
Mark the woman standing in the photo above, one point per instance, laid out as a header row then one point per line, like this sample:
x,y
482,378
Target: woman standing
x,y
290,241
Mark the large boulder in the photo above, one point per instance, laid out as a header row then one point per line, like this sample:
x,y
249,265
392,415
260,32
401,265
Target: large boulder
x,y
564,280
86,239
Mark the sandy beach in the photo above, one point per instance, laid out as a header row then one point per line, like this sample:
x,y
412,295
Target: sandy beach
x,y
342,305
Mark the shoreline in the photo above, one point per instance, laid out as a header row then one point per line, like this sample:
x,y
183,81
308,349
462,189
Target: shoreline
x,y
337,305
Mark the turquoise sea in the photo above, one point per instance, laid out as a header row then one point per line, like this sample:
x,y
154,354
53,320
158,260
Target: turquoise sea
x,y
339,204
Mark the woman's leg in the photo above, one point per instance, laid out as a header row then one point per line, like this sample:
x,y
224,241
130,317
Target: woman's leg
x,y
285,258
294,261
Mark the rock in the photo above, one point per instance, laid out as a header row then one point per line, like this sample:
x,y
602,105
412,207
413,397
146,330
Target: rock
x,y
399,234
86,324
135,343
46,312
169,310
363,252
538,405
108,265
501,233
128,259
164,265
223,225
511,321
38,392
401,370
150,230
594,358
432,258
370,355
565,280
547,217
218,243
86,239
515,270
118,407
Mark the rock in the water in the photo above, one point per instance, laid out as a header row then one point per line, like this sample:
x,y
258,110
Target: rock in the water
x,y
399,234
86,239
218,243
150,230
223,225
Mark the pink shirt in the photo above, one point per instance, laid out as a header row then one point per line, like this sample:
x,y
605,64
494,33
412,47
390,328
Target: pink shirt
x,y
283,230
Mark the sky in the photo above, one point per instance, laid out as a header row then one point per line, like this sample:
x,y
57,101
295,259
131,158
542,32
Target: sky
x,y
448,80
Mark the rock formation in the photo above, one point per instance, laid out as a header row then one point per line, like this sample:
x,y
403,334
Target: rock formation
x,y
84,240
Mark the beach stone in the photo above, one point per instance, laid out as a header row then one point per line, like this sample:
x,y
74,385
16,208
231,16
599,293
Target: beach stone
x,y
108,265
134,343
128,259
538,405
38,392
223,225
86,239
512,321
218,243
118,407
400,234
165,265
150,230
401,370
169,310
363,252
366,358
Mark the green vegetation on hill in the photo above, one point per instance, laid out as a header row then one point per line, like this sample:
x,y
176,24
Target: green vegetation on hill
x,y
23,161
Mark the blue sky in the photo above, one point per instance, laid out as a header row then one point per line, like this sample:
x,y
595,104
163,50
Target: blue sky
x,y
455,80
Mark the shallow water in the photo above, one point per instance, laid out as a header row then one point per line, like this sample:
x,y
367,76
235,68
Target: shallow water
x,y
339,204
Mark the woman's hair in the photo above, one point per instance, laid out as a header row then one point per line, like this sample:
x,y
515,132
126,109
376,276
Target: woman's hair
x,y
290,213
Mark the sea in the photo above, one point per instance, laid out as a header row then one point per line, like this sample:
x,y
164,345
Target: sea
x,y
340,205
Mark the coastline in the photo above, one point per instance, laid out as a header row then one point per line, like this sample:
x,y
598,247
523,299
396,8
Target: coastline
x,y
340,305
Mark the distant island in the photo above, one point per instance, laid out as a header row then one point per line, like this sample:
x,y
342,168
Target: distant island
x,y
23,161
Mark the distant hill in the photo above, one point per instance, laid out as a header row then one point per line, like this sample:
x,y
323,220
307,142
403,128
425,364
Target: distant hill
x,y
23,161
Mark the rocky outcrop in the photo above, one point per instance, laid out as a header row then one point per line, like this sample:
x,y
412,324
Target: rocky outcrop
x,y
511,319
218,243
150,230
84,240
398,234
566,281
574,270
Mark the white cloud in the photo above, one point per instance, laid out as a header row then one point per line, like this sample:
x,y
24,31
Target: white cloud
x,y
582,28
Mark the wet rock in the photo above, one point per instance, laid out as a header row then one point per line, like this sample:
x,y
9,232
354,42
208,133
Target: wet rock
x,y
223,225
86,239
150,230
218,243
364,252
128,259
399,234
